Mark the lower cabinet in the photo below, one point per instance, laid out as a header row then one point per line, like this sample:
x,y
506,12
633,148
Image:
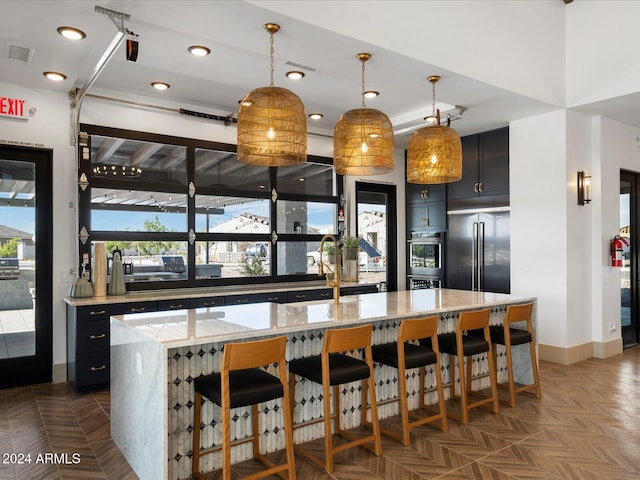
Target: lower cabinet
x,y
88,338
87,347
88,342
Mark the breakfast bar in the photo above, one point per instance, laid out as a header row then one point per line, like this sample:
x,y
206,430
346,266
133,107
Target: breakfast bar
x,y
155,357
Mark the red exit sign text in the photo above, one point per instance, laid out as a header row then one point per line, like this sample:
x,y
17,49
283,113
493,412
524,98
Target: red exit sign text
x,y
12,107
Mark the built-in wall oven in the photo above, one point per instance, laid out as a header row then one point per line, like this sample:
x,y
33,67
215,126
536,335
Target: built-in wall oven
x,y
426,260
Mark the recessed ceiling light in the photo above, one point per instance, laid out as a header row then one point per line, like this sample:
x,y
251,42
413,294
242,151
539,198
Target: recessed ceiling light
x,y
55,76
315,116
199,50
160,85
245,103
371,94
295,75
71,33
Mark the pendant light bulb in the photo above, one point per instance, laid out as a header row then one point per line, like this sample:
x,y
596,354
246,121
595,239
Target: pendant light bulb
x,y
434,153
363,142
272,123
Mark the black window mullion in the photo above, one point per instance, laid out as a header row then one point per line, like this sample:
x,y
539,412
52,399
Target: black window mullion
x,y
191,214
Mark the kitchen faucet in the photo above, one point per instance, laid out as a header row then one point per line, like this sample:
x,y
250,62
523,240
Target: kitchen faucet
x,y
333,277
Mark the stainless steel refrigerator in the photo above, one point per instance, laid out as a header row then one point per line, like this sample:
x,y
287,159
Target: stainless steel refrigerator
x,y
478,256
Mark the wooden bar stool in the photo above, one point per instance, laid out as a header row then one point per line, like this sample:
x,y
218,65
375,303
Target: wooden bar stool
x,y
333,368
462,346
404,355
508,336
242,382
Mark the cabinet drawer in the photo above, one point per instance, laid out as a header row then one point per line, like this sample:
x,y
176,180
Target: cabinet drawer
x,y
138,307
307,295
256,298
180,303
93,313
210,302
92,369
92,336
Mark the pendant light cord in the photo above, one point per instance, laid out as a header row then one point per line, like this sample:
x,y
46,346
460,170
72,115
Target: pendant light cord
x,y
362,94
272,65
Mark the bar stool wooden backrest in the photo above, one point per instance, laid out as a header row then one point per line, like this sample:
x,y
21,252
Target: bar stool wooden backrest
x,y
345,370
245,356
412,330
511,336
474,320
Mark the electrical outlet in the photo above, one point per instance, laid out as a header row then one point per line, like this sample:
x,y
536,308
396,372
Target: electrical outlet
x,y
612,327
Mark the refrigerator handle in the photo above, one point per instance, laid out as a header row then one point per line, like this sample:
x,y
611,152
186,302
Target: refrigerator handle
x,y
474,251
480,255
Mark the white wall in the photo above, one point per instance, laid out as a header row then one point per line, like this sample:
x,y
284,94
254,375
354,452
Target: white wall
x,y
617,149
50,128
602,50
537,175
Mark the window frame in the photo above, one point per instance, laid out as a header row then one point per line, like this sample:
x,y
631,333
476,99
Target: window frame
x,y
85,209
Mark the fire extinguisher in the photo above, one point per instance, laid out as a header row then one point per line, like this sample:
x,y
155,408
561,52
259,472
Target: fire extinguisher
x,y
616,250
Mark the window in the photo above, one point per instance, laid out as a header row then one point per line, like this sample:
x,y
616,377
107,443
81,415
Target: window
x,y
188,213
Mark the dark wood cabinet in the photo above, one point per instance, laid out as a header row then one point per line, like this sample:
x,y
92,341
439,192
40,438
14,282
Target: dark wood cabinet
x,y
278,297
426,208
88,347
485,166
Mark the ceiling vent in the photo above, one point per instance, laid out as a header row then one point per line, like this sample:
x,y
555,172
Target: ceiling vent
x,y
301,67
23,54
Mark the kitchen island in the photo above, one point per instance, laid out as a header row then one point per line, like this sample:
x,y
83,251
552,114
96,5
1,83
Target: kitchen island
x,y
155,356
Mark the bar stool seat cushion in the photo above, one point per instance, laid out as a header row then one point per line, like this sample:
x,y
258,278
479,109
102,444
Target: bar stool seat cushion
x,y
518,337
247,387
342,368
414,355
471,345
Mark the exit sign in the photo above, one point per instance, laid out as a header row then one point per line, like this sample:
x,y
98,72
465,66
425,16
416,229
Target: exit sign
x,y
13,108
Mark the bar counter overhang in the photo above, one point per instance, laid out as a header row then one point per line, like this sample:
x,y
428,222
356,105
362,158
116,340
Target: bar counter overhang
x,y
155,356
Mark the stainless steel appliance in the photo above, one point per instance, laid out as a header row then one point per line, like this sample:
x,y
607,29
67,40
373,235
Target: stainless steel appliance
x,y
426,260
478,250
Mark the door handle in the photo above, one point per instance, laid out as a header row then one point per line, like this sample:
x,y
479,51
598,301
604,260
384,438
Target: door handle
x,y
474,251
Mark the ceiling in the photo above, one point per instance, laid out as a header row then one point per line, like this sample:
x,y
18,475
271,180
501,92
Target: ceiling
x,y
239,62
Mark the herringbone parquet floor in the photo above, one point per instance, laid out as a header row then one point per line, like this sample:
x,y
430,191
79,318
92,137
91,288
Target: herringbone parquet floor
x,y
586,427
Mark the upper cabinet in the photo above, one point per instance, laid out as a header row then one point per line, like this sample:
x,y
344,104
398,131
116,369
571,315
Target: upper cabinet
x,y
485,166
426,207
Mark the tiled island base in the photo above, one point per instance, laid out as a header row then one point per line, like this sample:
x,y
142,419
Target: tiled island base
x,y
154,358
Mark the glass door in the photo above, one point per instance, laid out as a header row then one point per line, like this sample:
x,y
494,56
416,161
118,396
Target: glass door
x,y
629,271
376,226
25,266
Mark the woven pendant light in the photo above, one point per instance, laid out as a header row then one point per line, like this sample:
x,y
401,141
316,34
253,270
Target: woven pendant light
x,y
272,125
363,139
434,153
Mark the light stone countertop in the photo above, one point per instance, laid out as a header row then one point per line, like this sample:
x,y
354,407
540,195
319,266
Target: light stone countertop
x,y
179,328
217,291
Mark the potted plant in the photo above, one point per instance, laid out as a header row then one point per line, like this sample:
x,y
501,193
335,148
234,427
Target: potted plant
x,y
329,253
351,245
350,248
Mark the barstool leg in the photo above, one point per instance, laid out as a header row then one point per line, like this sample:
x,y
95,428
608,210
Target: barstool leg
x,y
534,367
375,423
195,463
422,403
443,408
463,389
226,437
328,441
493,377
288,431
404,404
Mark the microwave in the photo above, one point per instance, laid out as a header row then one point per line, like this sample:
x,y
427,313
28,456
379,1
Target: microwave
x,y
426,256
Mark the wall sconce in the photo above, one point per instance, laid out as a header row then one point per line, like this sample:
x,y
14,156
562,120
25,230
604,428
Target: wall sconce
x,y
584,188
